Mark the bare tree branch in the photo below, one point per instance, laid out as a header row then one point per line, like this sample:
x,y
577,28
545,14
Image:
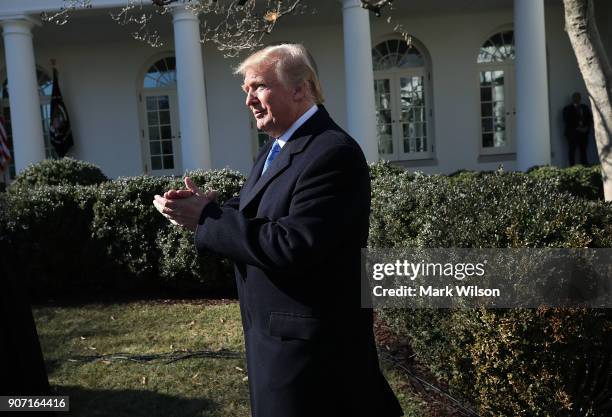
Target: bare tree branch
x,y
239,24
376,7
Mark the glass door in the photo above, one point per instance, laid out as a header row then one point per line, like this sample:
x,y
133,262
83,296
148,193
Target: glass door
x,y
161,139
413,117
383,97
497,110
401,106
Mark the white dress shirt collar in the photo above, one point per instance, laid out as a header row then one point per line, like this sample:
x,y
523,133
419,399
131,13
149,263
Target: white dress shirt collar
x,y
282,139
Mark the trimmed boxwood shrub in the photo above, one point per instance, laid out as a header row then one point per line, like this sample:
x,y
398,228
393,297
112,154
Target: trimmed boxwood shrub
x,y
179,261
505,362
578,180
64,171
144,244
86,239
49,240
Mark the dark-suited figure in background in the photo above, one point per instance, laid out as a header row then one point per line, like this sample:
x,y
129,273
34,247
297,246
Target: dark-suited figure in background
x,y
22,366
578,121
295,233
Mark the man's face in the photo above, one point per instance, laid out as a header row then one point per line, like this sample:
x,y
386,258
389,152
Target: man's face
x,y
269,100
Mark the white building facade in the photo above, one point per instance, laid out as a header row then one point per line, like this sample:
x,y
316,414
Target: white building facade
x,y
482,83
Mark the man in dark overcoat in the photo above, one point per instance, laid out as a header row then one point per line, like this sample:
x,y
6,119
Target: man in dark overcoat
x,y
295,233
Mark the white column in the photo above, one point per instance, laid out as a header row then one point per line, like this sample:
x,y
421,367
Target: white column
x,y
193,118
26,124
360,111
532,111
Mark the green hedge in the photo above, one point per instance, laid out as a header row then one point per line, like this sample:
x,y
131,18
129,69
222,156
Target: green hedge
x,y
579,181
64,171
144,244
48,236
504,362
86,239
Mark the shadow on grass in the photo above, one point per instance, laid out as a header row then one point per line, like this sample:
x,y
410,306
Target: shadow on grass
x,y
133,403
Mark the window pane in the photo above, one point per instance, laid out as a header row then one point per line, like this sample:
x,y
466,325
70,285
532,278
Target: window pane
x,y
166,132
385,139
151,103
419,130
154,133
396,53
412,59
382,94
163,102
499,109
409,130
485,94
156,162
152,118
168,162
383,117
161,74
498,48
499,92
487,140
487,125
500,139
500,124
164,117
498,78
155,148
383,101
167,147
262,138
486,109
407,116
407,148
482,78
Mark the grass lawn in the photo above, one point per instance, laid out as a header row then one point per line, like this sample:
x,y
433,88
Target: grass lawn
x,y
202,386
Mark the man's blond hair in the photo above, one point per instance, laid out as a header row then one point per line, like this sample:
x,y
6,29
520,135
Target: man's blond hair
x,y
293,64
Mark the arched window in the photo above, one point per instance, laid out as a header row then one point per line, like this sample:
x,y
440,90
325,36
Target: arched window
x,y
497,105
45,87
498,48
160,137
162,74
403,104
396,53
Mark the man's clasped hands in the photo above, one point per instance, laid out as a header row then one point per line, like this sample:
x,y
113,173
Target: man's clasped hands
x,y
184,207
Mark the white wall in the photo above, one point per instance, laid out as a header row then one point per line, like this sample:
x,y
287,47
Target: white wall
x,y
99,87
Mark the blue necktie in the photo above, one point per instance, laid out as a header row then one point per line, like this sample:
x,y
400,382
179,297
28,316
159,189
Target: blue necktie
x,y
271,155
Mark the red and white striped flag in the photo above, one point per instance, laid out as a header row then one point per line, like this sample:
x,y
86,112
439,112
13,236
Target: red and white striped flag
x,y
5,153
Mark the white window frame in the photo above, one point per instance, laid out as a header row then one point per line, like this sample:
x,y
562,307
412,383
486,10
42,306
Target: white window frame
x,y
175,133
394,75
142,94
509,101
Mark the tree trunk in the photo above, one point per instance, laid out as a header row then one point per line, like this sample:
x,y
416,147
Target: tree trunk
x,y
595,68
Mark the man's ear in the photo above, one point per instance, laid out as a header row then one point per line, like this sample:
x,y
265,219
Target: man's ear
x,y
300,91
